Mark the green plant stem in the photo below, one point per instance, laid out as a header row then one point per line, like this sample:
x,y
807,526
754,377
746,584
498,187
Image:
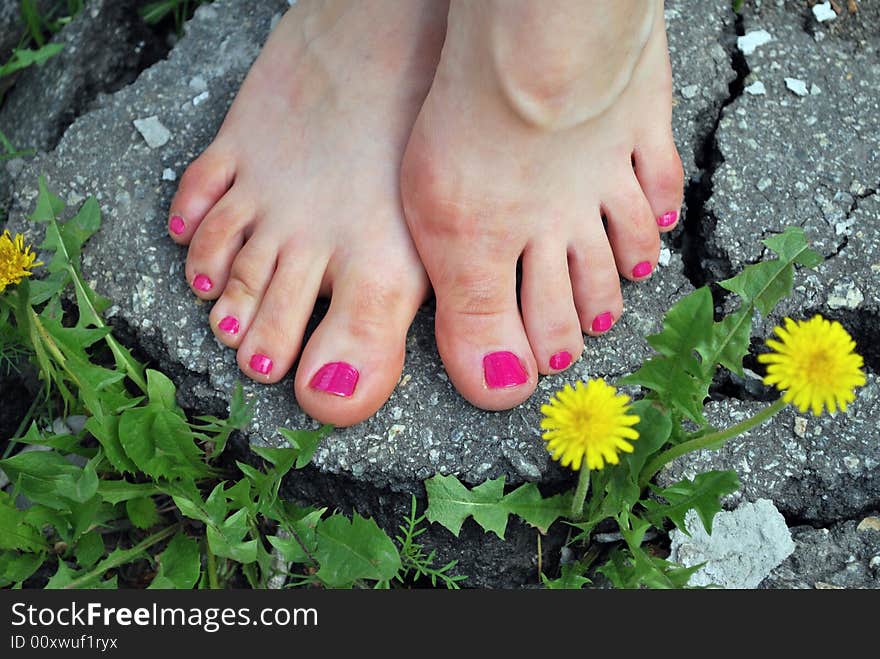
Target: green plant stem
x,y
213,583
580,494
122,557
22,427
712,439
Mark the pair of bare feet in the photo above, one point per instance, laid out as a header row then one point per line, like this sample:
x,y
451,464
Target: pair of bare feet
x,y
378,148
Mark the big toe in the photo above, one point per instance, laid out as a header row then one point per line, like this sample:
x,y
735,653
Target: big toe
x,y
354,359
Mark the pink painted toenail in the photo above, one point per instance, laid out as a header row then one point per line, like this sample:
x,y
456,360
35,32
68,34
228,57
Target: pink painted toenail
x,y
668,219
229,325
503,370
261,363
337,378
602,322
642,269
202,283
177,225
560,360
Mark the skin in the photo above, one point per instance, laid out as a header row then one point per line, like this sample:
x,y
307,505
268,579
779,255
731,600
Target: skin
x,y
338,173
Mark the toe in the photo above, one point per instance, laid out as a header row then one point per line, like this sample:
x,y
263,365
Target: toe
x,y
548,310
247,283
660,175
202,185
594,281
215,244
480,333
632,229
274,337
353,360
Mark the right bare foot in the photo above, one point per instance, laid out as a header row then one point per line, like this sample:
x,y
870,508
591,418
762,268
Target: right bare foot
x,y
543,117
298,196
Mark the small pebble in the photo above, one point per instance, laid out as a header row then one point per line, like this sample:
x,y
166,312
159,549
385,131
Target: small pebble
x,y
201,98
800,426
690,91
757,88
168,174
153,132
869,524
764,183
665,257
799,87
824,12
751,40
815,90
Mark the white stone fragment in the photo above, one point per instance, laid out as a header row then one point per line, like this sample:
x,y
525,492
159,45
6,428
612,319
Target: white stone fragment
x,y
799,87
168,174
665,257
845,295
752,40
745,546
201,98
815,90
824,12
690,91
153,132
757,88
198,84
764,183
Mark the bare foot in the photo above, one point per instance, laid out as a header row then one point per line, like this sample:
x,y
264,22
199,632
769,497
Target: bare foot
x,y
298,196
543,118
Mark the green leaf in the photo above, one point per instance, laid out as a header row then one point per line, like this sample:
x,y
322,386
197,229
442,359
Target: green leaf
x,y
106,430
44,477
15,532
654,429
25,57
162,392
227,539
686,325
675,386
701,494
118,491
306,441
351,550
16,567
89,549
729,342
142,512
526,502
764,284
450,503
179,564
302,542
571,577
160,443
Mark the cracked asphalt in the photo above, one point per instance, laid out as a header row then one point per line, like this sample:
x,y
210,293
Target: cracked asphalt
x,y
755,163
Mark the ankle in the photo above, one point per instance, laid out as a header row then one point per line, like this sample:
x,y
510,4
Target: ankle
x,y
560,64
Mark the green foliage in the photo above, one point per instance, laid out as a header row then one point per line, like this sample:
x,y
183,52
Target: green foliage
x,y
701,494
413,557
179,10
450,503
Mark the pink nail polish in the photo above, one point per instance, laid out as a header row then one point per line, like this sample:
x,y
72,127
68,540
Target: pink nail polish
x,y
177,225
642,269
503,370
261,363
337,378
668,219
202,283
560,360
229,325
602,322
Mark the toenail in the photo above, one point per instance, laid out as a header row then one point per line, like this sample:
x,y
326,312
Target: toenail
x,y
202,283
337,378
602,322
503,369
229,325
668,219
642,269
261,363
176,224
560,360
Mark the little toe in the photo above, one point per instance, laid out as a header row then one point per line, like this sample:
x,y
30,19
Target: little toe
x,y
632,230
216,243
595,282
353,360
202,185
274,336
548,310
660,175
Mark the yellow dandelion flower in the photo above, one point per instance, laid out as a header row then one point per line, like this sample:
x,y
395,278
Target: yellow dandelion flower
x,y
16,260
588,421
814,364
